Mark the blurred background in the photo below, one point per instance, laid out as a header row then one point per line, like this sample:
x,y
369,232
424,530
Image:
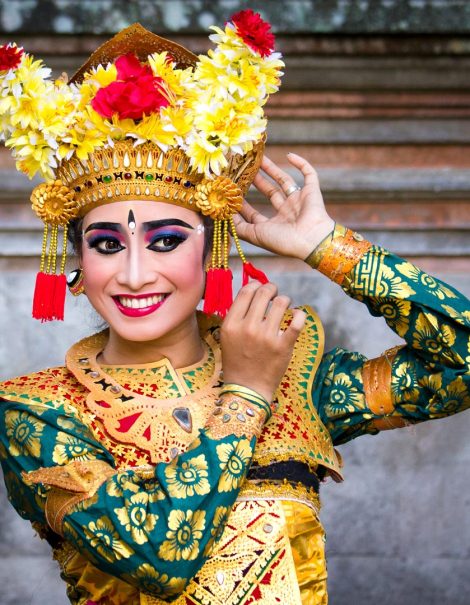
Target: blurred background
x,y
376,95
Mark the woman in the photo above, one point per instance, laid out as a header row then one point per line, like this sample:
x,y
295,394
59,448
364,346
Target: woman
x,y
154,476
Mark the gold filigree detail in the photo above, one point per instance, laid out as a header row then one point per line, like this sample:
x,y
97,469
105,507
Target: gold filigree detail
x,y
219,198
145,422
54,203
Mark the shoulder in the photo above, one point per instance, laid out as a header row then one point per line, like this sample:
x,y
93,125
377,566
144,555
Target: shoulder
x,y
52,387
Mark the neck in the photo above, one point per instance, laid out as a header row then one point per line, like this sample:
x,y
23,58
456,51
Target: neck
x,y
182,347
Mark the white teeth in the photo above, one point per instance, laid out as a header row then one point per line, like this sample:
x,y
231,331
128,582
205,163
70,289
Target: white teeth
x,y
140,303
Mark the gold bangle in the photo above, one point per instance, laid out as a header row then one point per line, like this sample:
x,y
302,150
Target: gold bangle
x,y
342,255
248,394
314,258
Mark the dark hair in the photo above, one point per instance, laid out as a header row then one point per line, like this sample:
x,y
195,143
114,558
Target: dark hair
x,y
74,235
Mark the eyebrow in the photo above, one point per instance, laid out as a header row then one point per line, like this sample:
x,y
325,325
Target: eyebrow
x,y
108,226
151,225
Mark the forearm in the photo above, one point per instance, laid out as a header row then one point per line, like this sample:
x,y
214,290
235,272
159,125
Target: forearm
x,y
427,377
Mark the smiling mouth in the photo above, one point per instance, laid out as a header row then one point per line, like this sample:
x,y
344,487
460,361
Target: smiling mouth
x,y
137,306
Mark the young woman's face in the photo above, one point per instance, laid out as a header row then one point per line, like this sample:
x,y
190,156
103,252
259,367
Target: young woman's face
x,y
143,266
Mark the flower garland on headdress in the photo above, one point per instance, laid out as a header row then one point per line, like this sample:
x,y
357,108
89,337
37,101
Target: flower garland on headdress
x,y
211,112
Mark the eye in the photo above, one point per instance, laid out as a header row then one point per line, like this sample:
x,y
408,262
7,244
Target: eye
x,y
165,242
105,244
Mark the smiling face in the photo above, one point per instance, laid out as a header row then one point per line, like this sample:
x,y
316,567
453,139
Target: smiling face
x,y
143,268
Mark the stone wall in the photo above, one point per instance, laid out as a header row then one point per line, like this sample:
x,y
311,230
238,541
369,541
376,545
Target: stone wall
x,y
377,96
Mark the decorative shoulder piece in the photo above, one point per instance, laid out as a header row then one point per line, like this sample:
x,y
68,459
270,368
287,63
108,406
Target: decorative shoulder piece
x,y
339,253
144,118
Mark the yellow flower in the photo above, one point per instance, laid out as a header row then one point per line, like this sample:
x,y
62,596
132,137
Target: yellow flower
x,y
206,156
135,518
151,128
188,479
70,449
221,516
151,581
103,537
179,81
234,460
24,433
184,533
32,153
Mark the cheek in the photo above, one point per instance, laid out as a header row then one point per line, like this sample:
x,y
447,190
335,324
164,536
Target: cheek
x,y
96,272
188,267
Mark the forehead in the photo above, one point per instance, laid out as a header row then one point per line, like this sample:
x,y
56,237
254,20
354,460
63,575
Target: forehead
x,y
118,212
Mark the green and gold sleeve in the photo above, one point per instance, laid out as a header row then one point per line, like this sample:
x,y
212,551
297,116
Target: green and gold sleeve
x,y
428,377
151,527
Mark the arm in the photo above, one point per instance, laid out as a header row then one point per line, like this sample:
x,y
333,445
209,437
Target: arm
x,y
152,528
155,528
428,377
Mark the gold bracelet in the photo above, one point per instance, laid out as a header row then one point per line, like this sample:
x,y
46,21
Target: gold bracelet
x,y
248,394
341,254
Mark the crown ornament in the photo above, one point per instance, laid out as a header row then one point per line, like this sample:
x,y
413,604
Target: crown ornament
x,y
143,118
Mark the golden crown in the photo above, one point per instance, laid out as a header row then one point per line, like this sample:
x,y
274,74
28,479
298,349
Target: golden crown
x,y
142,118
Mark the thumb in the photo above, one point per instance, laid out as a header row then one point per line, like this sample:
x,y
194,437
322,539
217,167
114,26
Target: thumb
x,y
295,327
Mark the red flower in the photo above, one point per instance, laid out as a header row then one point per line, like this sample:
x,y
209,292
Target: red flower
x,y
255,32
10,56
135,93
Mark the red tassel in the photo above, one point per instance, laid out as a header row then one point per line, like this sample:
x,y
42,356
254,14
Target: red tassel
x,y
210,295
218,296
58,299
250,270
49,297
226,293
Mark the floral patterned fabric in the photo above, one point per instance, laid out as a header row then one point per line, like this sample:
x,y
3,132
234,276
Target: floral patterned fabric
x,y
430,375
137,522
155,529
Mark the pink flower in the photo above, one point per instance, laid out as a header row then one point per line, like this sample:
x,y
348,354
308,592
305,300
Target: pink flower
x,y
10,56
136,91
255,32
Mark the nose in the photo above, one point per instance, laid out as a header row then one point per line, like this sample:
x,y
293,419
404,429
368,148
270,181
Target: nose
x,y
138,269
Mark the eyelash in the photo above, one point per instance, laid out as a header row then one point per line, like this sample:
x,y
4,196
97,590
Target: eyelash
x,y
173,241
94,242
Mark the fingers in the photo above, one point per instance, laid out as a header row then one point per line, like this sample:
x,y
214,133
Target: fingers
x,y
285,180
309,172
251,215
296,325
270,190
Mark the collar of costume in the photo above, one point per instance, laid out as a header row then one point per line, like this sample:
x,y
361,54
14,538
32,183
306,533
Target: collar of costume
x,y
143,118
149,405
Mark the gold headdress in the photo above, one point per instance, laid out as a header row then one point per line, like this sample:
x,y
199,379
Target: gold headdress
x,y
143,118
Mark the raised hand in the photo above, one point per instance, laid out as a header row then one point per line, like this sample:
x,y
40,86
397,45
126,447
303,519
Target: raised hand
x,y
300,222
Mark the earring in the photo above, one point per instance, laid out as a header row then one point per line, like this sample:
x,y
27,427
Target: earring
x,y
75,282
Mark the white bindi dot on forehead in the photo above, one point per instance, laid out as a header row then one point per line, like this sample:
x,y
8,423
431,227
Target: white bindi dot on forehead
x,y
200,229
131,220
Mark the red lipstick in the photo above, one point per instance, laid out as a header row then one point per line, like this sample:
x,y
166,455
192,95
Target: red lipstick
x,y
141,311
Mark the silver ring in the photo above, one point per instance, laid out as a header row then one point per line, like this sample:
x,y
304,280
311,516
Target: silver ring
x,y
292,189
